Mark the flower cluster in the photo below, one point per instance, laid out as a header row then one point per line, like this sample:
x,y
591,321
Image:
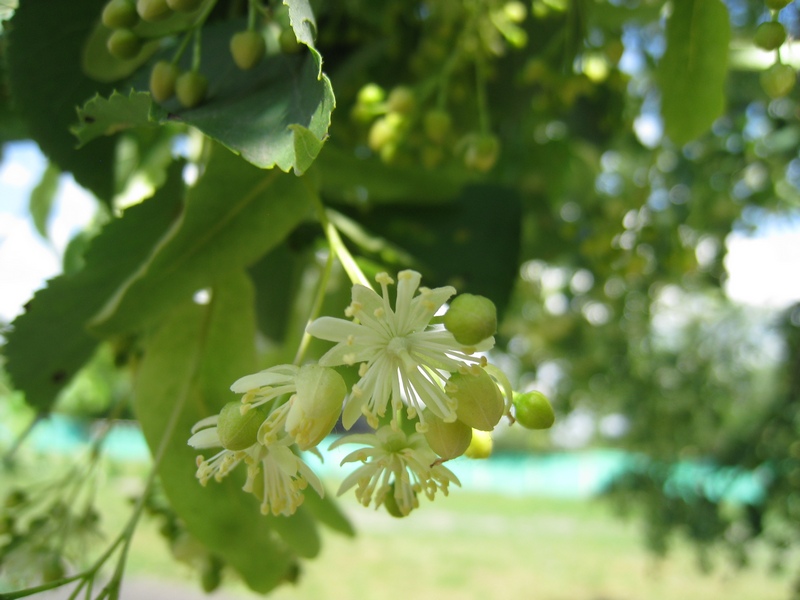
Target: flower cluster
x,y
424,385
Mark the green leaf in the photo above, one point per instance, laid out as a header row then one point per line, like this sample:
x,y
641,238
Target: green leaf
x,y
276,114
48,343
348,178
235,214
327,511
472,243
693,69
42,196
45,42
192,359
101,116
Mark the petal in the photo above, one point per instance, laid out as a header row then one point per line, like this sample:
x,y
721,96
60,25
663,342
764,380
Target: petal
x,y
425,306
207,438
407,284
203,423
344,354
368,439
260,379
334,329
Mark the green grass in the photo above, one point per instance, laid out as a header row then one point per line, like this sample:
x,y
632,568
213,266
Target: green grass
x,y
472,546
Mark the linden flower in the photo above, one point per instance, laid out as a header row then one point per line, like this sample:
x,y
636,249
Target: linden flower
x,y
394,461
310,412
283,475
404,360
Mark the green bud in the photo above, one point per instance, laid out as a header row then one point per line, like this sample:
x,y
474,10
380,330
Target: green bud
x,y
153,10
238,431
437,124
124,44
385,132
390,502
471,319
370,94
533,411
480,446
287,40
401,100
247,49
482,152
316,406
118,14
162,80
778,80
448,440
769,35
480,403
191,88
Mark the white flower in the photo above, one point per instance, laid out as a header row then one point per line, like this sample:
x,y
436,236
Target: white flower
x,y
205,435
283,475
277,477
308,415
394,461
404,360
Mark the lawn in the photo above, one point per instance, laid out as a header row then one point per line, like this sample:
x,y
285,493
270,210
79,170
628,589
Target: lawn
x,y
476,546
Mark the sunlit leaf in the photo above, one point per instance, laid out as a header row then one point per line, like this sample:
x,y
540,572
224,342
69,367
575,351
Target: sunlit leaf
x,y
48,343
235,214
188,366
693,69
42,197
276,114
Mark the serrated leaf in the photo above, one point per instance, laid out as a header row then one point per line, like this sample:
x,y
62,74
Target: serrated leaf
x,y
106,116
276,114
192,358
693,69
235,214
45,41
48,343
301,17
41,200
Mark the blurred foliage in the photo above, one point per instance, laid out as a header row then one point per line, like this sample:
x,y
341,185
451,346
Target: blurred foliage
x,y
516,150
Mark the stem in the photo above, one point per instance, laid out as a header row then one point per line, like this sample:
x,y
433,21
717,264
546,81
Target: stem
x,y
480,94
252,14
8,459
196,50
125,537
316,308
338,248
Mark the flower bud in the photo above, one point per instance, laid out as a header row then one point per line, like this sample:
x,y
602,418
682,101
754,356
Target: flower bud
x,y
317,405
238,431
480,403
392,507
533,411
448,440
480,446
471,319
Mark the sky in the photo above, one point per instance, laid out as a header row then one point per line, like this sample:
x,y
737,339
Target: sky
x,y
764,267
